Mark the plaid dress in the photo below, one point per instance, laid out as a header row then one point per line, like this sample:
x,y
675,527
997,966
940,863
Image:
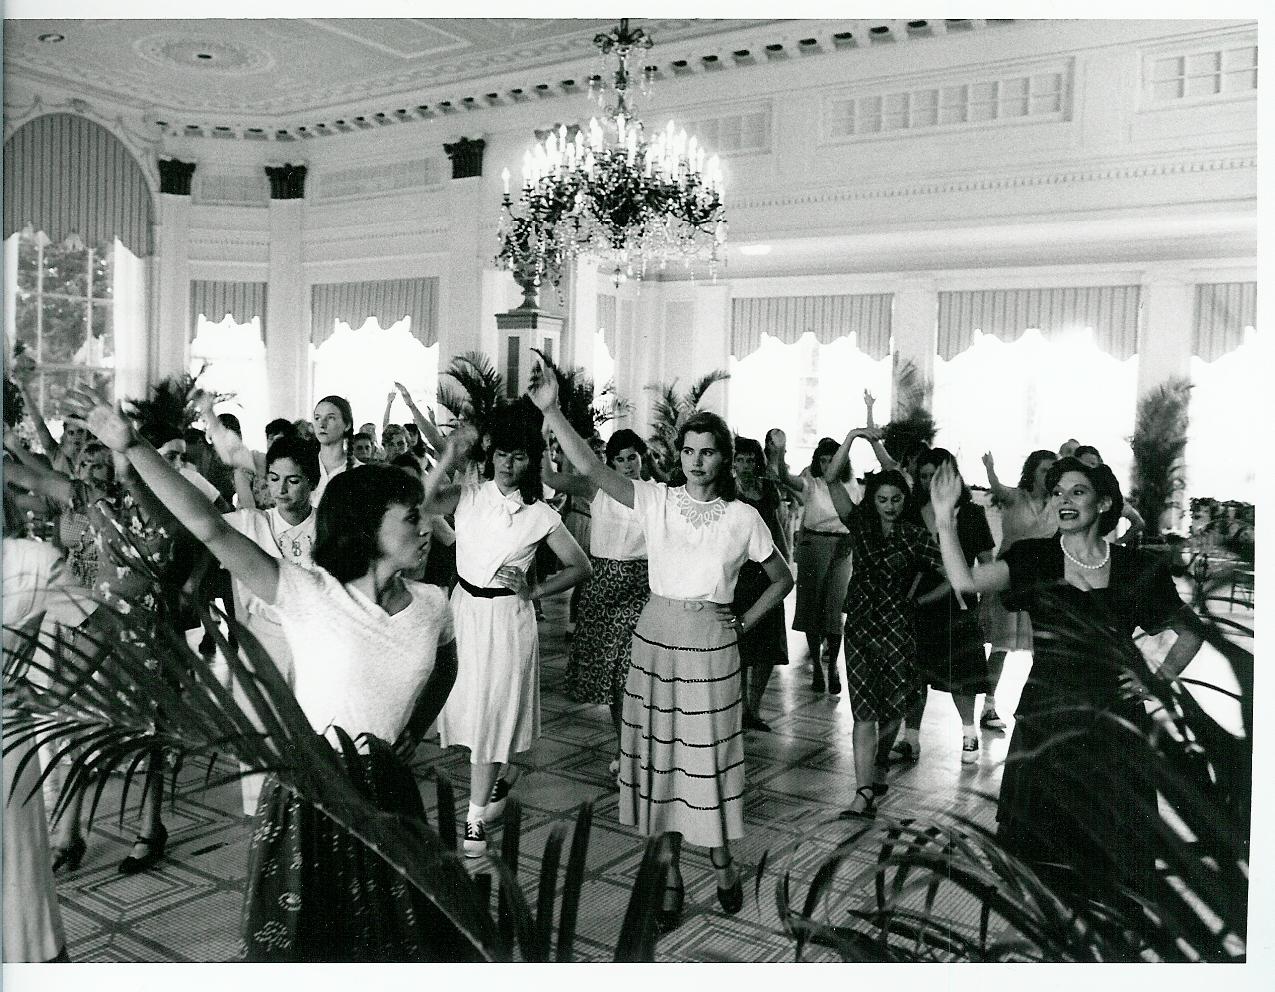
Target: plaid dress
x,y
880,638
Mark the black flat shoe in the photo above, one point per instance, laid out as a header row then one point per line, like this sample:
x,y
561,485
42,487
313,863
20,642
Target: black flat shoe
x,y
731,897
834,682
70,856
669,917
752,722
154,851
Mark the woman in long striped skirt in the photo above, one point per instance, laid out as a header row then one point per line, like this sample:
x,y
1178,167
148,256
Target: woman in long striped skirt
x,y
681,748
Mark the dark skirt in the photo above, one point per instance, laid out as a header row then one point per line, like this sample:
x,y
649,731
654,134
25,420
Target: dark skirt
x,y
610,604
949,648
317,894
767,642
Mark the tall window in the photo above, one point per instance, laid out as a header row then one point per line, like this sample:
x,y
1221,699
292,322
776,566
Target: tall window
x,y
64,315
230,358
363,365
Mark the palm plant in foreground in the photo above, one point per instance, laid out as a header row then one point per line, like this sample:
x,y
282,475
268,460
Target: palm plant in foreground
x,y
889,891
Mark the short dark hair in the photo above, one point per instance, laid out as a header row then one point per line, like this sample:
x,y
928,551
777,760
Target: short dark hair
x,y
366,437
876,481
230,422
350,514
827,446
1104,483
517,428
1032,463
158,435
704,422
407,461
937,457
624,438
280,426
302,450
750,446
1086,449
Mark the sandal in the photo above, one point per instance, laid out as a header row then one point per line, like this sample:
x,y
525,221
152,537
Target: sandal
x,y
868,794
731,897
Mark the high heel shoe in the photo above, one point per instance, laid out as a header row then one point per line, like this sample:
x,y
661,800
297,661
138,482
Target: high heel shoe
x,y
868,794
70,855
668,917
731,897
154,851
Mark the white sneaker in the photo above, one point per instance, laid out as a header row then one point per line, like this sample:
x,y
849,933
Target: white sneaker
x,y
969,751
991,719
494,811
475,839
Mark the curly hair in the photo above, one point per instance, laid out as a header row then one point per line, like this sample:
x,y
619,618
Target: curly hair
x,y
829,447
302,450
350,514
875,482
622,439
1105,486
1033,461
703,422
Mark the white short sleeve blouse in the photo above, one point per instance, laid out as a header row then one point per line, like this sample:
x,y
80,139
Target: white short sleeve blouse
x,y
616,531
493,530
696,549
820,513
358,667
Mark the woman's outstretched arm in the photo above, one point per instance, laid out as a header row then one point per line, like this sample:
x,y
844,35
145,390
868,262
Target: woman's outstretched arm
x,y
544,393
241,557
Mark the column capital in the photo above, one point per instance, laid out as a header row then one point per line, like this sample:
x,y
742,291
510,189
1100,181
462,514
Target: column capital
x,y
175,176
287,181
466,155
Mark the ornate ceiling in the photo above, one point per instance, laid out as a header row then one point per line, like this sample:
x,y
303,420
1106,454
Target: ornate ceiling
x,y
279,67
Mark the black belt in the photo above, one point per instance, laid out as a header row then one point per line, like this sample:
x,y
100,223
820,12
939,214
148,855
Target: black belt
x,y
483,593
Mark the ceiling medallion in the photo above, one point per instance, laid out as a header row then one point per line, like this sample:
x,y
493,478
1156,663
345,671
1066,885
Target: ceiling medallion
x,y
610,192
229,58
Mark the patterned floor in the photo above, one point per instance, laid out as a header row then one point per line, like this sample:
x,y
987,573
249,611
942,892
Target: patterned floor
x,y
187,909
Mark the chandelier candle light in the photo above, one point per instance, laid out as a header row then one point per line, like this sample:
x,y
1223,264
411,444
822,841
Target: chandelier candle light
x,y
607,191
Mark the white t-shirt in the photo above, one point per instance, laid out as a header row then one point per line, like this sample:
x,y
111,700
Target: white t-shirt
x,y
279,539
494,530
325,477
616,530
356,666
697,549
820,513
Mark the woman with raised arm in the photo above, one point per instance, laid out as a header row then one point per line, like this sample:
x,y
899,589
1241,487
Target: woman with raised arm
x,y
681,749
1026,512
494,709
612,600
1063,771
364,644
882,679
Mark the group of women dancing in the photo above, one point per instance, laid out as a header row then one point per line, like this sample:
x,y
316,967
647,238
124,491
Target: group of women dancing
x,y
679,624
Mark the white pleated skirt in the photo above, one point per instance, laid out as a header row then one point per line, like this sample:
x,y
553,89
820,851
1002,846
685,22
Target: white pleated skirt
x,y
494,707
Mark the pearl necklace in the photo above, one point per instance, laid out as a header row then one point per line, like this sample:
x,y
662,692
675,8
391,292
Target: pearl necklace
x,y
1076,561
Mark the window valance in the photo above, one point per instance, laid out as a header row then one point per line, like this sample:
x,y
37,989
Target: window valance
x,y
1222,311
1112,312
65,174
787,318
388,300
214,300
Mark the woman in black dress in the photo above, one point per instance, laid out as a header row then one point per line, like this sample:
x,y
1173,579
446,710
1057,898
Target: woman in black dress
x,y
1069,805
766,645
949,642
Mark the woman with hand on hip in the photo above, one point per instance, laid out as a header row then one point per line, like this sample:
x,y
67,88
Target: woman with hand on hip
x,y
494,708
681,748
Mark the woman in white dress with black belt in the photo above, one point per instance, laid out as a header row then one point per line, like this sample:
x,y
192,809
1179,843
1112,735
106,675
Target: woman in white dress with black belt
x,y
681,750
494,707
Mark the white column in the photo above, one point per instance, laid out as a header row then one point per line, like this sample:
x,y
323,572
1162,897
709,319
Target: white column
x,y
710,344
170,344
465,310
582,317
287,327
1164,339
914,322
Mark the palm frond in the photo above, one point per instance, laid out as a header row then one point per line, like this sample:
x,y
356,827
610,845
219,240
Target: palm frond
x,y
1158,441
700,386
482,385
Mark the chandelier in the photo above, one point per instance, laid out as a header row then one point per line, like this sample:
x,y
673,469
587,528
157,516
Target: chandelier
x,y
611,192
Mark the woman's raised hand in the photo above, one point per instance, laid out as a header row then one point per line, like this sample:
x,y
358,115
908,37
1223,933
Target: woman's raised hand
x,y
945,491
989,463
868,402
460,442
543,389
104,419
403,389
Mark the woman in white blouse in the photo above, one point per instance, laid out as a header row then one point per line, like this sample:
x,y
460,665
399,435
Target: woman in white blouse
x,y
366,646
681,749
494,708
334,430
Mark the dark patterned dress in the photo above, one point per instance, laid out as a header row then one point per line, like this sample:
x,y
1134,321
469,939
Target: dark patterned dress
x,y
880,639
949,639
1066,765
767,642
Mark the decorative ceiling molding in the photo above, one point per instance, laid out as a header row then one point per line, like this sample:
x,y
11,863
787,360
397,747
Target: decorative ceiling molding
x,y
472,81
1004,182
